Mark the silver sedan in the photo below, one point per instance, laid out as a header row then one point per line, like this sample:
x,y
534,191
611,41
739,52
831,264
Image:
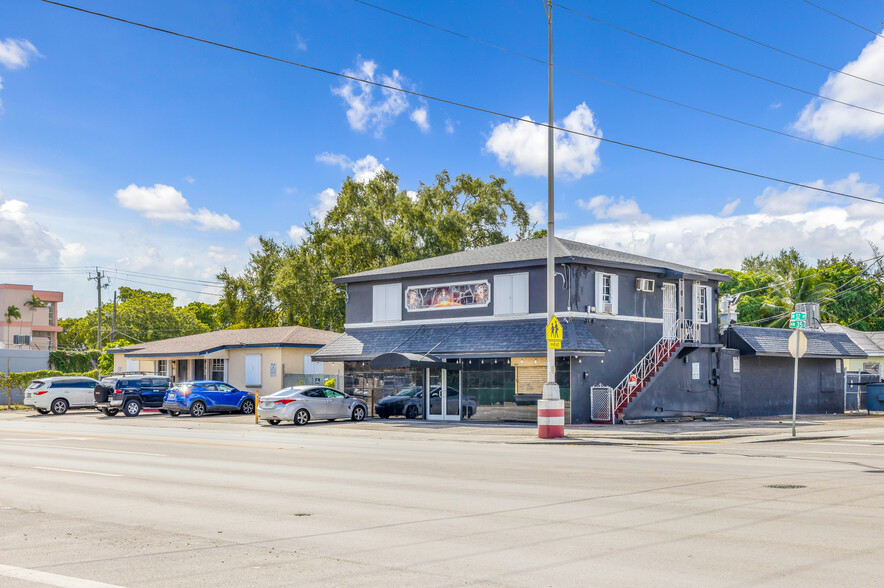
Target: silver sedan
x,y
301,404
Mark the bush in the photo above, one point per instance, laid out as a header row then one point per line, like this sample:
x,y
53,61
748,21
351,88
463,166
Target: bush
x,y
74,361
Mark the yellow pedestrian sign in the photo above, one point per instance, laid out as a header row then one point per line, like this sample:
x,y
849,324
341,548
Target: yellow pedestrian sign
x,y
554,334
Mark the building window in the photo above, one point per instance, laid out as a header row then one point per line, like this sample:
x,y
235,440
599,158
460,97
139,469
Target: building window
x,y
606,293
253,370
162,368
217,370
702,304
511,294
386,303
51,307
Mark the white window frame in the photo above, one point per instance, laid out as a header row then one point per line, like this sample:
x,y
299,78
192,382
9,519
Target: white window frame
x,y
250,380
386,303
704,294
211,369
159,369
511,293
613,294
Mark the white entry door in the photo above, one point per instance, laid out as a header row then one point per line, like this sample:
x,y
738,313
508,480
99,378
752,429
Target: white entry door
x,y
443,399
669,310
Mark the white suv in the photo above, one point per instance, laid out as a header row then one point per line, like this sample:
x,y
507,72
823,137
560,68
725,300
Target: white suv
x,y
60,393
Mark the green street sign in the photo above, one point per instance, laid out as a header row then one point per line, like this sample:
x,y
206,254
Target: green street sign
x,y
799,316
797,324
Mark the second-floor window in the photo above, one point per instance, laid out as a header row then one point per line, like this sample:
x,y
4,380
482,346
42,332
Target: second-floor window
x,y
606,293
702,303
386,303
511,294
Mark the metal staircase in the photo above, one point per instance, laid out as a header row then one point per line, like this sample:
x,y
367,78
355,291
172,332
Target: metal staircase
x,y
640,377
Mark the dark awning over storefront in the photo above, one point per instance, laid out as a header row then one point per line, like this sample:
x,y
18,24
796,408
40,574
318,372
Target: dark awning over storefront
x,y
496,339
410,360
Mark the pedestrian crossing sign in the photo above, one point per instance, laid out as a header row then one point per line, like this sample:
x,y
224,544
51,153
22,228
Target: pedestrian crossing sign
x,y
554,334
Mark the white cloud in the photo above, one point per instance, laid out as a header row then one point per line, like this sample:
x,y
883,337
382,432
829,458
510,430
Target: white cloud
x,y
419,117
17,53
796,199
370,107
300,43
449,126
327,200
23,241
729,208
189,179
829,121
297,234
605,207
165,203
537,213
363,169
523,147
837,227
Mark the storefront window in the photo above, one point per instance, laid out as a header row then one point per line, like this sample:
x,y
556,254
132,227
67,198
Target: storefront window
x,y
372,385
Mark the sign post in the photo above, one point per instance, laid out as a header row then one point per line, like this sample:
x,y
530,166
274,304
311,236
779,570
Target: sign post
x,y
797,348
551,413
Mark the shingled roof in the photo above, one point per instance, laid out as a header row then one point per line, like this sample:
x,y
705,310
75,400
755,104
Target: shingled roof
x,y
525,253
775,342
504,338
208,342
872,342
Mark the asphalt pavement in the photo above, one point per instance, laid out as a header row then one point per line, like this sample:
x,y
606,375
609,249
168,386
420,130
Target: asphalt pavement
x,y
90,501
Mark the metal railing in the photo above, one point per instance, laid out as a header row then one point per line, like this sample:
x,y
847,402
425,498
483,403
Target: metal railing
x,y
680,332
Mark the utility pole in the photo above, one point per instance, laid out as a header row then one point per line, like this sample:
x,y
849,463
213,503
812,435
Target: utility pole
x,y
100,283
551,408
114,322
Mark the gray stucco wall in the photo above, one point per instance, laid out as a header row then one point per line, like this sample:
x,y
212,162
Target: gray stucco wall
x,y
675,392
22,360
766,386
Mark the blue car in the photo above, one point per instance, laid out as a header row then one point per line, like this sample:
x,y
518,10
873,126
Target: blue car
x,y
198,398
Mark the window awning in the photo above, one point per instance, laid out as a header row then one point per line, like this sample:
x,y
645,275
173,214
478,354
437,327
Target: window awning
x,y
525,338
411,360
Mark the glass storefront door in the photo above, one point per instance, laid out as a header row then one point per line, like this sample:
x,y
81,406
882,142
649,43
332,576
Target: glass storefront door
x,y
442,399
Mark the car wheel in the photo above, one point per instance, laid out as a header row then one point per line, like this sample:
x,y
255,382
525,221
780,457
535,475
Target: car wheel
x,y
302,417
411,412
358,414
273,422
248,406
59,406
197,409
42,411
469,414
383,415
131,408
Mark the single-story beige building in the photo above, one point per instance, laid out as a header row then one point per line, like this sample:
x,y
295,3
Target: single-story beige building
x,y
262,360
872,342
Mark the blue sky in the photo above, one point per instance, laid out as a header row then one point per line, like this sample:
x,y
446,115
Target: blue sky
x,y
130,149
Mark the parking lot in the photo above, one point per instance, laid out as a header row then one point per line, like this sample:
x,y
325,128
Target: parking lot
x,y
88,500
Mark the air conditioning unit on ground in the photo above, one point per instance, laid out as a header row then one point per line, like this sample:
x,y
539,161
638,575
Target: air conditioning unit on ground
x,y
644,285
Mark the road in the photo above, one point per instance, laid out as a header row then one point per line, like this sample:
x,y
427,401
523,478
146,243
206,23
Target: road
x,y
90,501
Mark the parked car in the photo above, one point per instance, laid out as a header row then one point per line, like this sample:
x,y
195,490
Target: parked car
x,y
59,393
129,393
409,402
301,404
200,397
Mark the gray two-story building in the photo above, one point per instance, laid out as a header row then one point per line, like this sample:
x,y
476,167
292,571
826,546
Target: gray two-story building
x,y
462,335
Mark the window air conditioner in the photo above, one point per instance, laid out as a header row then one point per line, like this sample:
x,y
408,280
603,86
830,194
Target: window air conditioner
x,y
644,285
609,308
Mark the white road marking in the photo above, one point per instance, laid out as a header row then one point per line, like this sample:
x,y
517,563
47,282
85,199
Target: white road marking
x,y
91,449
51,579
79,472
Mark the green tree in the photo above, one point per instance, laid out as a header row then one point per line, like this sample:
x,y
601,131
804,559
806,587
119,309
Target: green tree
x,y
373,224
34,303
12,312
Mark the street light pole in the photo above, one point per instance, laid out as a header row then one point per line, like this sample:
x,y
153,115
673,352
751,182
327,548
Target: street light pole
x,y
551,407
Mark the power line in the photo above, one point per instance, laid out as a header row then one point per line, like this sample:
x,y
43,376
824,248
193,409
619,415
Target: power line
x,y
874,312
462,105
862,262
614,84
166,277
844,19
713,62
771,47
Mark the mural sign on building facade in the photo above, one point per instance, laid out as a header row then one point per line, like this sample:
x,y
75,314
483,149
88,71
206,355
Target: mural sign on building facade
x,y
441,296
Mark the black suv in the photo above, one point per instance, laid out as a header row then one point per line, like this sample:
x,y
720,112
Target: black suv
x,y
130,393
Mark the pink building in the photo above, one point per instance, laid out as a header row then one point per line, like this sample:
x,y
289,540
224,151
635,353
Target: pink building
x,y
38,326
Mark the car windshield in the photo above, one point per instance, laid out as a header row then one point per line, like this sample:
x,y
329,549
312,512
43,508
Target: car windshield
x,y
35,384
183,387
285,392
408,392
